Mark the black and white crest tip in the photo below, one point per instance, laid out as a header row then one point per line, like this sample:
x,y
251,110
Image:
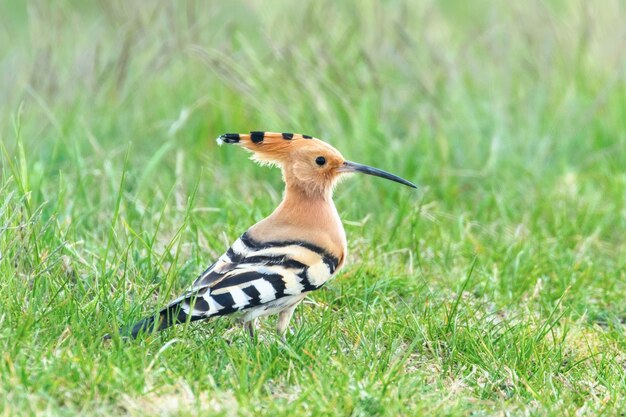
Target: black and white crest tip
x,y
228,138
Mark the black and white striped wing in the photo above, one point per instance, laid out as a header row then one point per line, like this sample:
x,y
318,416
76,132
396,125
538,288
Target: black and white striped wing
x,y
253,273
250,274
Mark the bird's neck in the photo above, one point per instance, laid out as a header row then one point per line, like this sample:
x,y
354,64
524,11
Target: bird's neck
x,y
309,211
309,217
296,197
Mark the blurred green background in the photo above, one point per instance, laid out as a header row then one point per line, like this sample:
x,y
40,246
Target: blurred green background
x,y
510,116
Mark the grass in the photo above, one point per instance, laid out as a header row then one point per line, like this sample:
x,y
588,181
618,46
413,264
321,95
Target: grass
x,y
498,289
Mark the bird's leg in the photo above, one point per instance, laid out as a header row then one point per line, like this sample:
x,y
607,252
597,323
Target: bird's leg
x,y
250,327
284,317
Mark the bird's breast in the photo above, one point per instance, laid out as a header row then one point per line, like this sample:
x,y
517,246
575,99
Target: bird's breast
x,y
313,222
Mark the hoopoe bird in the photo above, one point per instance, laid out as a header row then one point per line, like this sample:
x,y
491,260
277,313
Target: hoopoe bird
x,y
274,264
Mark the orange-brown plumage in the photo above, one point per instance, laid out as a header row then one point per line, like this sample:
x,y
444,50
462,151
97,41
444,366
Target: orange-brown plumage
x,y
307,208
296,157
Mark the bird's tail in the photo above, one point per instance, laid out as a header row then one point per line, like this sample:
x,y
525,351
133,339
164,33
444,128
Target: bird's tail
x,y
169,316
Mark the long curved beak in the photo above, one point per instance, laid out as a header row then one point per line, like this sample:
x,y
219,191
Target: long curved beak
x,y
354,167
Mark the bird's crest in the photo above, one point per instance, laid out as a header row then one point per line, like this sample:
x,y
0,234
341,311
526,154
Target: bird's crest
x,y
259,137
275,148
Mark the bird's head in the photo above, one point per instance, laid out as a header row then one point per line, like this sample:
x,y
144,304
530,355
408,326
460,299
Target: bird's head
x,y
307,163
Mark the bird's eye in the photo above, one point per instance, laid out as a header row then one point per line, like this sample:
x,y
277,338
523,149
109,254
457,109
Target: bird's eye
x,y
320,160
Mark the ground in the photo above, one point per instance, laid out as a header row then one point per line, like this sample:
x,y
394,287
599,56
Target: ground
x,y
497,288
